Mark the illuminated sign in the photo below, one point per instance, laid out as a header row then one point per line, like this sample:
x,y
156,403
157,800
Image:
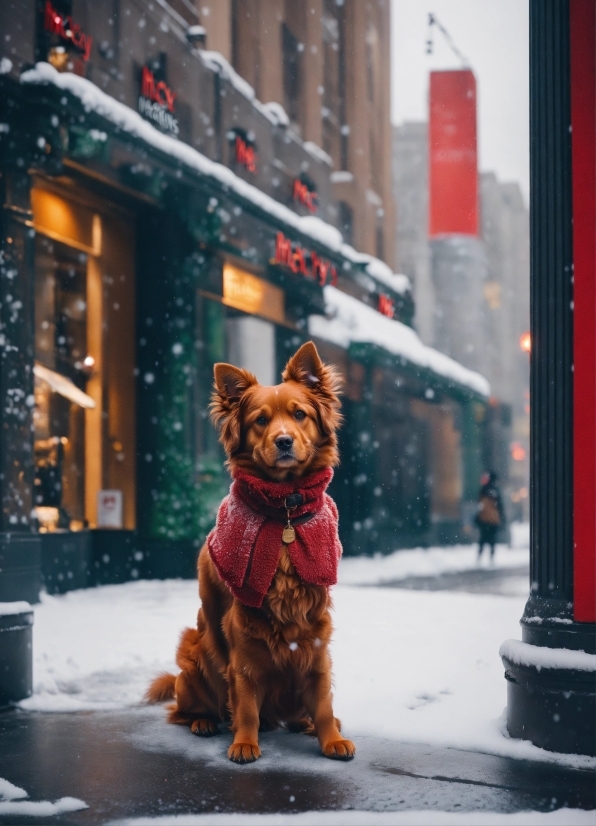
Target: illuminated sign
x,y
386,306
67,30
304,195
156,102
245,154
250,294
305,262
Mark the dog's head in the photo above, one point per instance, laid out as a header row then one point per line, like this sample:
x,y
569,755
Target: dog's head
x,y
280,432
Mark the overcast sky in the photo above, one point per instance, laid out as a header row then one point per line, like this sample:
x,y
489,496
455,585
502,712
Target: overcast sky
x,y
493,36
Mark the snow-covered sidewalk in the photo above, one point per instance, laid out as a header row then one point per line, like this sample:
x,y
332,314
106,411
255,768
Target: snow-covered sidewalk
x,y
424,562
569,817
416,666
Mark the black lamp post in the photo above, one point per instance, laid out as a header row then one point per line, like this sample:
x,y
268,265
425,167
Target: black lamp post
x,y
551,674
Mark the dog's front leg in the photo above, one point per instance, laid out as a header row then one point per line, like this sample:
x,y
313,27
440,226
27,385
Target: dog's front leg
x,y
318,702
245,705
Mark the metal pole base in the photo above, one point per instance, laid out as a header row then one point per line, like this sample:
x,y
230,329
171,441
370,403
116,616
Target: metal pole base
x,y
553,708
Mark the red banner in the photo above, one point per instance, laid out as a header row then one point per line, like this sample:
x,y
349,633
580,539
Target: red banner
x,y
583,148
453,169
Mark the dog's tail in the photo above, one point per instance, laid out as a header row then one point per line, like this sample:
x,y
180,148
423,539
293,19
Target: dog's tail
x,y
161,689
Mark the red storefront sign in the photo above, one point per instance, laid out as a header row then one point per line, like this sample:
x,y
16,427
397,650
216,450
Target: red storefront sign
x,y
305,196
582,18
245,154
453,157
302,261
67,30
386,306
156,102
158,92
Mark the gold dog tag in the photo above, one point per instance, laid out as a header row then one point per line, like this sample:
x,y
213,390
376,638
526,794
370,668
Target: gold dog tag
x,y
289,535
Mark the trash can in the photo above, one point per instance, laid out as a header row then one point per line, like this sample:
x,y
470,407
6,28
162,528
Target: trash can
x,y
16,652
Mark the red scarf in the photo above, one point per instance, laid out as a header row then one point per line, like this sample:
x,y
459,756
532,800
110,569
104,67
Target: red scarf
x,y
245,544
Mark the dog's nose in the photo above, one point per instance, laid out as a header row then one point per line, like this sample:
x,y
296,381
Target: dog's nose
x,y
284,442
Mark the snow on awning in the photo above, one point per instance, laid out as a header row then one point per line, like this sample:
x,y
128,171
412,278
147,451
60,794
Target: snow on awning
x,y
63,385
349,320
125,118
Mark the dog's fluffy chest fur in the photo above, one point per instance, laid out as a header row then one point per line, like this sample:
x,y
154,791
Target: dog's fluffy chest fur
x,y
293,604
294,623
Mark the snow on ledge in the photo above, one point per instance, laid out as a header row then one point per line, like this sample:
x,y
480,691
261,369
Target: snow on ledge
x,y
341,176
349,320
522,653
315,150
9,609
217,63
122,116
277,113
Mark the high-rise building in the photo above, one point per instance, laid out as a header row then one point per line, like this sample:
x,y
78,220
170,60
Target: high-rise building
x,y
471,293
327,63
505,232
410,193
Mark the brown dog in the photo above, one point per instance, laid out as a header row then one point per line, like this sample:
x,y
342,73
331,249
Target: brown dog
x,y
261,660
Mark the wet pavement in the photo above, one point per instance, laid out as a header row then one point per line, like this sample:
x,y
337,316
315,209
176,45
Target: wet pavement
x,y
510,582
131,763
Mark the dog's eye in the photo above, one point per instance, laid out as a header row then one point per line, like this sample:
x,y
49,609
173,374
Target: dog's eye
x,y
261,421
300,414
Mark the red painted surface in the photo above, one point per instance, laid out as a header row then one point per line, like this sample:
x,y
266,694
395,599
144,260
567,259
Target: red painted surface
x,y
453,171
583,144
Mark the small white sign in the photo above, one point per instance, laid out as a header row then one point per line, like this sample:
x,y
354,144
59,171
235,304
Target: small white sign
x,y
109,509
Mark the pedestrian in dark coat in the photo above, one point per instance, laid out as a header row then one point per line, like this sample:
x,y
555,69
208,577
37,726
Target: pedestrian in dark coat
x,y
490,515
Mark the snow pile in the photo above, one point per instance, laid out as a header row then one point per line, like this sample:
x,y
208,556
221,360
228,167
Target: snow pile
x,y
12,803
94,100
349,320
539,657
11,608
362,570
560,817
341,176
8,791
277,113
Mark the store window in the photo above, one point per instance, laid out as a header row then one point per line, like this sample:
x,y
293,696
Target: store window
x,y
333,111
62,366
84,415
346,222
291,74
446,462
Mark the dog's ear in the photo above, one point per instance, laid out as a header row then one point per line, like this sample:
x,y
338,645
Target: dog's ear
x,y
306,367
230,384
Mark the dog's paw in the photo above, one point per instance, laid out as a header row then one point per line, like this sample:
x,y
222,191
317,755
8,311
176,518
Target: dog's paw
x,y
339,750
204,727
244,752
